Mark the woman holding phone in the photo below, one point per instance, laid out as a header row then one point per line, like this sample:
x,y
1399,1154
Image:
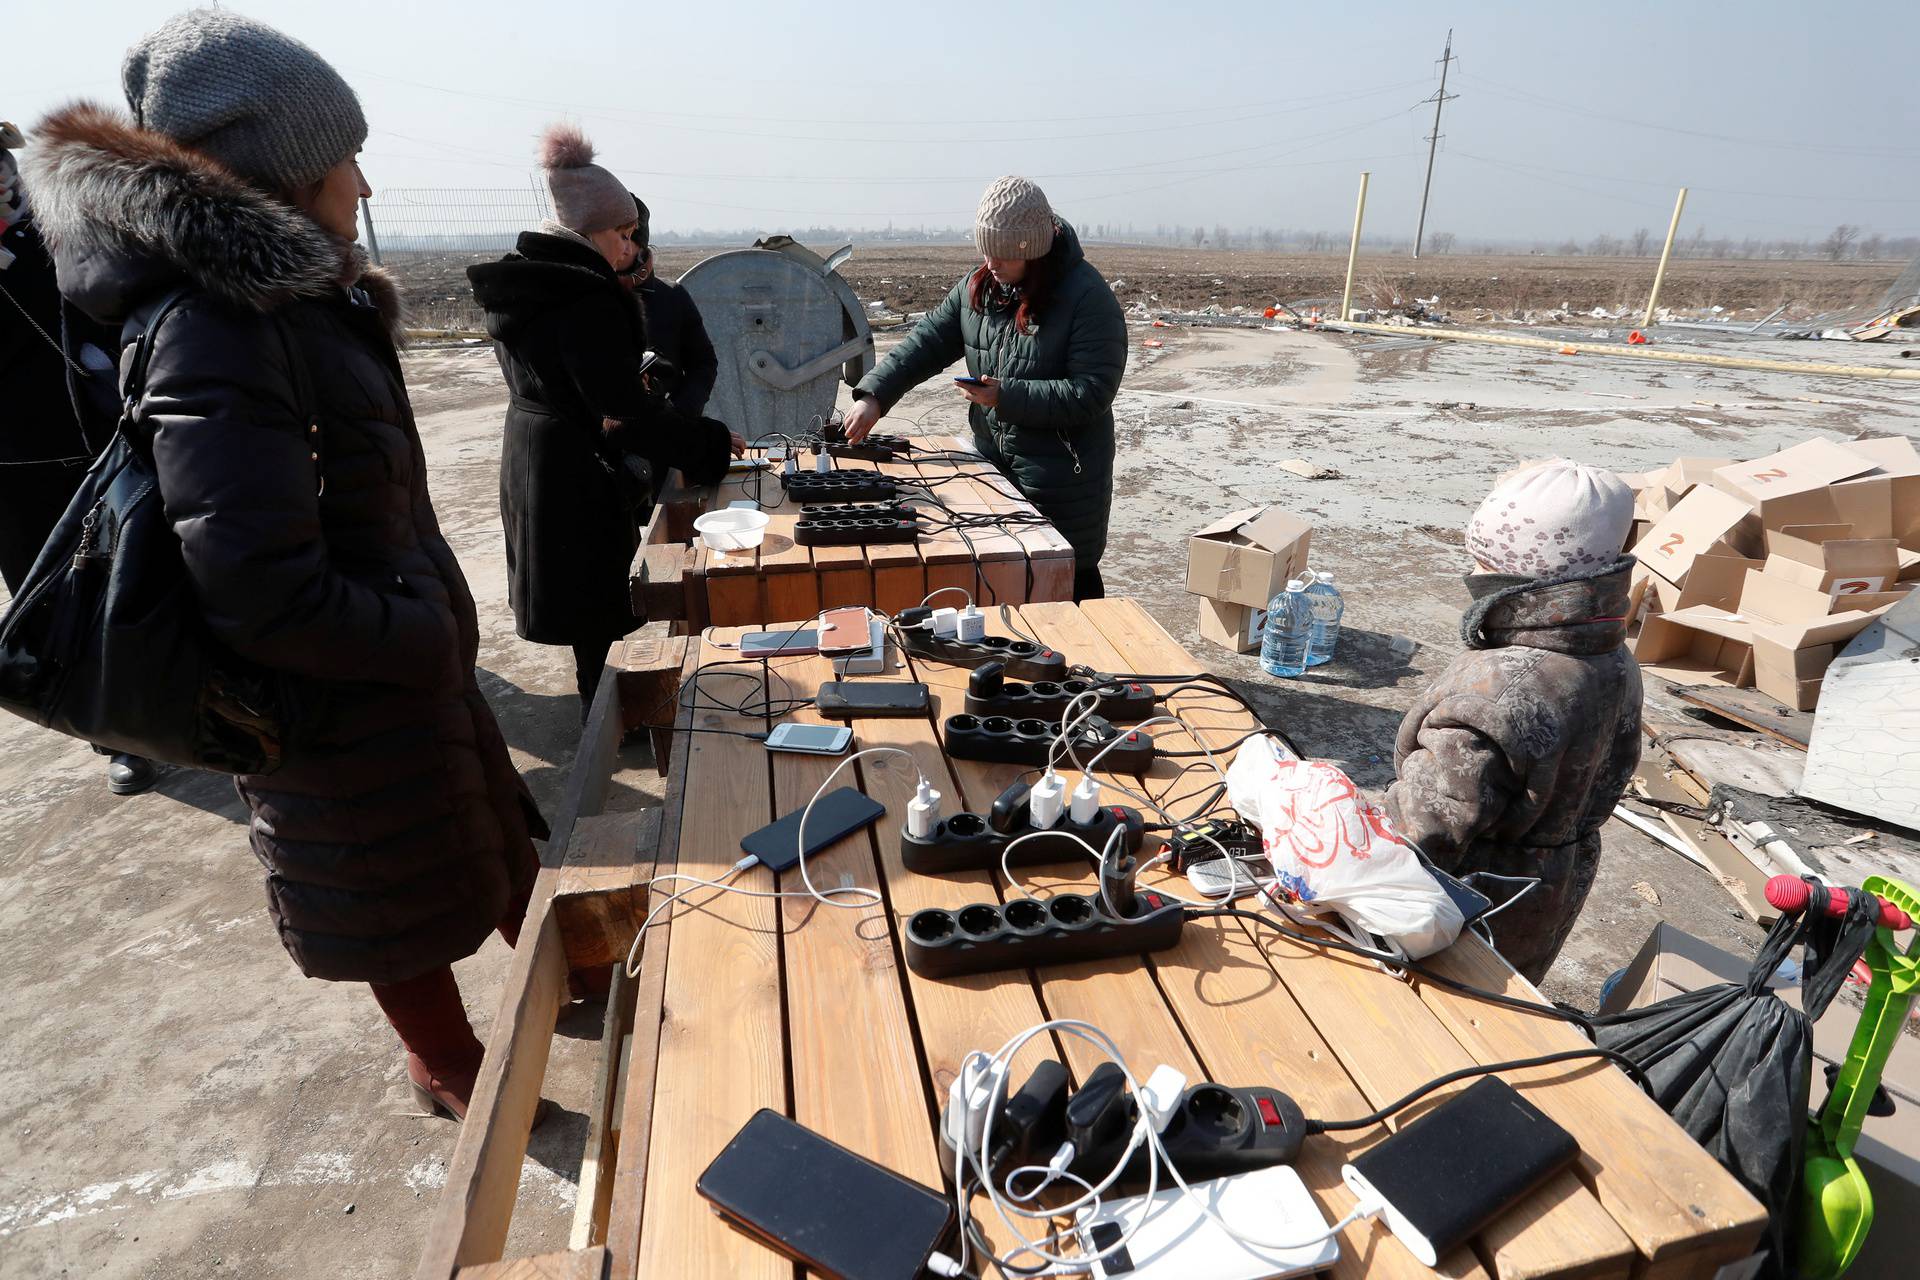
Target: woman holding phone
x,y
1045,344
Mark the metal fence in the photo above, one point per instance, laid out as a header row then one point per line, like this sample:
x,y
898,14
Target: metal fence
x,y
427,237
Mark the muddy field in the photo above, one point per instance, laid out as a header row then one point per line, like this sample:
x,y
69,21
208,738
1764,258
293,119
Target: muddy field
x,y
909,279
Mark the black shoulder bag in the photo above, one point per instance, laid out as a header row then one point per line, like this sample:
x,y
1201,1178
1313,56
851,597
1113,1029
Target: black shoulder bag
x,y
106,640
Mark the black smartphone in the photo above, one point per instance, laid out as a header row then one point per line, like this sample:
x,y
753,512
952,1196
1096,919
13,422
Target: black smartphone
x,y
855,699
820,1204
968,380
838,813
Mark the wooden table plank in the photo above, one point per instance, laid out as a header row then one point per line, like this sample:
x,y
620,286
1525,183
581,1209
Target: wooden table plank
x,y
792,586
847,1014
722,1054
843,575
627,1199
1388,1042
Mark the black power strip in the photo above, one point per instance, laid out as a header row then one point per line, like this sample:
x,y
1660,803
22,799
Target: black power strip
x,y
855,510
855,531
839,486
1021,658
972,841
990,693
1004,740
1066,928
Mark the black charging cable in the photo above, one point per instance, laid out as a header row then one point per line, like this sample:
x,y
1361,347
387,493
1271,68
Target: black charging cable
x,y
1372,1118
1577,1018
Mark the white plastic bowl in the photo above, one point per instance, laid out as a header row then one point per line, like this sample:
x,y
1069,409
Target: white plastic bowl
x,y
732,529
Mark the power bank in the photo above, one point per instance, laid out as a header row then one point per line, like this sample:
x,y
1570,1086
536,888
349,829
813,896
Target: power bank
x,y
1460,1166
1171,1239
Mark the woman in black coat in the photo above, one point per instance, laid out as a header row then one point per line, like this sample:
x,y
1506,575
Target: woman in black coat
x,y
570,337
396,835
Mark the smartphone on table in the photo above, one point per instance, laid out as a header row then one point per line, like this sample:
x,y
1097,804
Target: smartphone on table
x,y
852,699
810,739
818,1203
1243,876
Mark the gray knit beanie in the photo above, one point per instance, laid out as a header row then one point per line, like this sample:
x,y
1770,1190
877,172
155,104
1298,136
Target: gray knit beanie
x,y
1014,220
253,98
586,198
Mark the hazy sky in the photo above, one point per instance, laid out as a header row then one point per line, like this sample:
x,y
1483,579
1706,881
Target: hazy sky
x,y
1573,119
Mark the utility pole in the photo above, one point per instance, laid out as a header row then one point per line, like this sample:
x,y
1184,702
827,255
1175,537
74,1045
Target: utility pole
x,y
1439,100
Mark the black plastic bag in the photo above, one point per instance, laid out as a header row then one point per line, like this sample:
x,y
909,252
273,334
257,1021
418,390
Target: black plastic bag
x,y
1733,1062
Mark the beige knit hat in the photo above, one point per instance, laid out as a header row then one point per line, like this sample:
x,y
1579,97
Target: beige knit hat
x,y
586,198
1552,518
1014,220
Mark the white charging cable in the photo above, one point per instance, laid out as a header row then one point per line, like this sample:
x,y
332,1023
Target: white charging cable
x,y
1151,1100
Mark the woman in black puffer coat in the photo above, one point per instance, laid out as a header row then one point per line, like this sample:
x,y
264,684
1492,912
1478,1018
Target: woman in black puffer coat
x,y
570,337
397,834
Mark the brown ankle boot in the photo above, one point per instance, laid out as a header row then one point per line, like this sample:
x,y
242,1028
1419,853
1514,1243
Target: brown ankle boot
x,y
449,1096
446,1096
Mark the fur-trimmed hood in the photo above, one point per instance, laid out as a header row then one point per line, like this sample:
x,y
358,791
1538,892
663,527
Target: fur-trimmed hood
x,y
127,212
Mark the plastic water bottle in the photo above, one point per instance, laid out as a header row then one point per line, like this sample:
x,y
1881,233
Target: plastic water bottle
x,y
1324,599
1283,643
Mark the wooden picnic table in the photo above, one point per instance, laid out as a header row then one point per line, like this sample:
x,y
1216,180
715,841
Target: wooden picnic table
x,y
747,1002
677,577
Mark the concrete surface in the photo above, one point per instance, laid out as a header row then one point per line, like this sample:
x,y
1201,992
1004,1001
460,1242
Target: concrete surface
x,y
178,1102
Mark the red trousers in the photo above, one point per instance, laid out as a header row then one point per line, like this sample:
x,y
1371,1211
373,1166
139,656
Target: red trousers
x,y
430,1017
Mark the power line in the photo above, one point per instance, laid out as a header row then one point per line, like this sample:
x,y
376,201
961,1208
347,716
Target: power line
x,y
1534,99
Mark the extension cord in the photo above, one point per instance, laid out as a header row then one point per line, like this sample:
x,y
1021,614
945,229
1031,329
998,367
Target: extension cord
x,y
977,842
1023,659
1004,740
990,693
1065,929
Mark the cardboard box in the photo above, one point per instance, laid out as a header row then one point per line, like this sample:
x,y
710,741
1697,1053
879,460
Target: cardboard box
x,y
1703,520
1794,486
1247,557
1795,635
1700,645
1899,461
1672,962
1232,626
1684,475
1715,578
1828,558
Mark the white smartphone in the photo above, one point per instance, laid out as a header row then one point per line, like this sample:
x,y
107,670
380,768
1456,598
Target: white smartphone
x,y
1242,875
811,739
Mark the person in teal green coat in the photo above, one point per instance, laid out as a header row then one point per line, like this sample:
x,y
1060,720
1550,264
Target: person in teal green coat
x,y
1041,330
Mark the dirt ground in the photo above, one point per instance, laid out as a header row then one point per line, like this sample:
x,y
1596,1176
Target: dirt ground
x,y
915,277
177,1102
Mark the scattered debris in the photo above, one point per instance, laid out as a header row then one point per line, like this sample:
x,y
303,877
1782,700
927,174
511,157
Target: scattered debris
x,y
1311,470
1647,891
1464,406
1153,342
